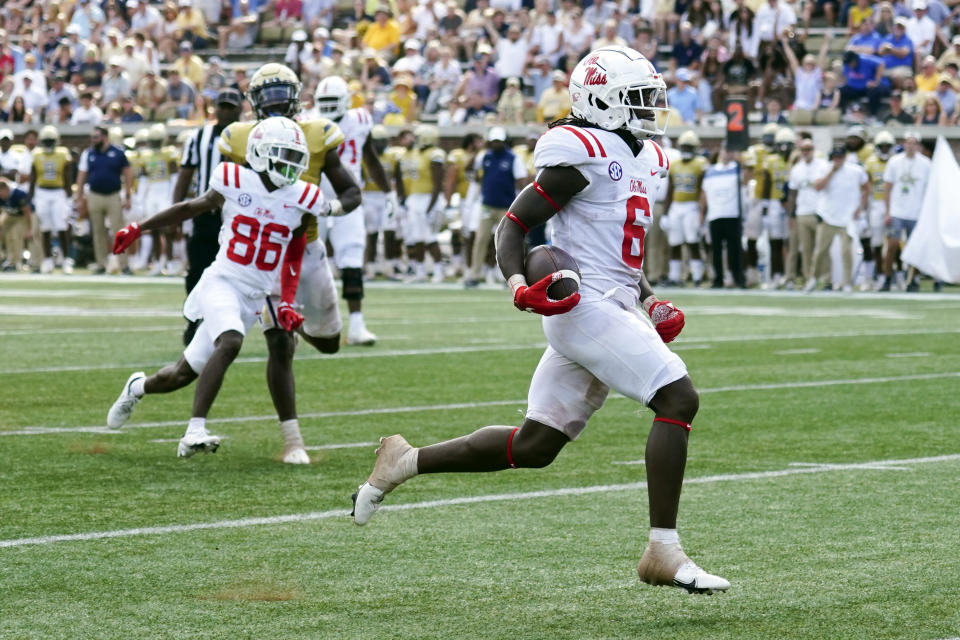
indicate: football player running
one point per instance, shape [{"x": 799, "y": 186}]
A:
[
  {"x": 598, "y": 171},
  {"x": 265, "y": 210},
  {"x": 275, "y": 91},
  {"x": 347, "y": 234}
]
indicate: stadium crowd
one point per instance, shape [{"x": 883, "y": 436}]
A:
[{"x": 489, "y": 62}]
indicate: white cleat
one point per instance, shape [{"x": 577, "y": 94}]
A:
[
  {"x": 359, "y": 335},
  {"x": 396, "y": 463},
  {"x": 46, "y": 266},
  {"x": 667, "y": 565},
  {"x": 120, "y": 411},
  {"x": 198, "y": 442},
  {"x": 68, "y": 267},
  {"x": 297, "y": 455}
]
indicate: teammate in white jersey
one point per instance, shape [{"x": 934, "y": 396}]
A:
[
  {"x": 264, "y": 211},
  {"x": 597, "y": 174},
  {"x": 347, "y": 234}
]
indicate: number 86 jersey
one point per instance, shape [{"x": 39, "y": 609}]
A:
[
  {"x": 603, "y": 226},
  {"x": 257, "y": 225}
]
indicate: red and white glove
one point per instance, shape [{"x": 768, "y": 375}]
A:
[
  {"x": 125, "y": 237},
  {"x": 288, "y": 318},
  {"x": 667, "y": 319},
  {"x": 534, "y": 298}
]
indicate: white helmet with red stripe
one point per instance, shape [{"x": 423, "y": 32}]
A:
[
  {"x": 278, "y": 147},
  {"x": 332, "y": 97},
  {"x": 617, "y": 87}
]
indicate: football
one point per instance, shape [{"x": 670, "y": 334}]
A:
[{"x": 546, "y": 259}]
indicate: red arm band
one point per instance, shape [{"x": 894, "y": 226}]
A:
[
  {"x": 513, "y": 217},
  {"x": 290, "y": 273},
  {"x": 546, "y": 196}
]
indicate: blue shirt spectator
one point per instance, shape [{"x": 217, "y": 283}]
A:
[
  {"x": 684, "y": 98},
  {"x": 863, "y": 41},
  {"x": 861, "y": 69},
  {"x": 16, "y": 202},
  {"x": 686, "y": 50},
  {"x": 897, "y": 40}
]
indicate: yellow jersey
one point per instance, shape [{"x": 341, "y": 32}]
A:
[
  {"x": 865, "y": 152},
  {"x": 779, "y": 171},
  {"x": 458, "y": 158},
  {"x": 154, "y": 164},
  {"x": 753, "y": 158},
  {"x": 875, "y": 168},
  {"x": 415, "y": 169},
  {"x": 685, "y": 176},
  {"x": 322, "y": 136},
  {"x": 388, "y": 159},
  {"x": 51, "y": 167}
]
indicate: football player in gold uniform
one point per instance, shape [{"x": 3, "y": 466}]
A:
[
  {"x": 275, "y": 91},
  {"x": 50, "y": 194}
]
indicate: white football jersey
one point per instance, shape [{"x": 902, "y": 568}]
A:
[
  {"x": 257, "y": 225},
  {"x": 603, "y": 226},
  {"x": 356, "y": 125}
]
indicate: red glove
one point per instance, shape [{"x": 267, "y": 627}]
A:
[
  {"x": 667, "y": 319},
  {"x": 534, "y": 298},
  {"x": 288, "y": 319},
  {"x": 125, "y": 237}
]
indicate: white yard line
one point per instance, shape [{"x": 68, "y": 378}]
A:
[
  {"x": 87, "y": 330},
  {"x": 345, "y": 445},
  {"x": 431, "y": 504},
  {"x": 520, "y": 402},
  {"x": 911, "y": 354},
  {"x": 796, "y": 352},
  {"x": 306, "y": 354}
]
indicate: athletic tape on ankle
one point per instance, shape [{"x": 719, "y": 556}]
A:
[
  {"x": 685, "y": 425},
  {"x": 510, "y": 448}
]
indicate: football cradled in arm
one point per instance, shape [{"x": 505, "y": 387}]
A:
[{"x": 537, "y": 202}]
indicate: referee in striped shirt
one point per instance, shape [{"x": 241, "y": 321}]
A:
[{"x": 200, "y": 156}]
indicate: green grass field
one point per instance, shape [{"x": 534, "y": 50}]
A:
[{"x": 823, "y": 478}]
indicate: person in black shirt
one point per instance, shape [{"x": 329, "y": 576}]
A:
[{"x": 896, "y": 114}]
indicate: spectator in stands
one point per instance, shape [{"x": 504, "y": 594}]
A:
[
  {"x": 17, "y": 111},
  {"x": 480, "y": 79},
  {"x": 577, "y": 37},
  {"x": 474, "y": 109},
  {"x": 441, "y": 77},
  {"x": 686, "y": 50},
  {"x": 374, "y": 72},
  {"x": 951, "y": 55},
  {"x": 932, "y": 113},
  {"x": 241, "y": 31},
  {"x": 808, "y": 76},
  {"x": 864, "y": 79},
  {"x": 151, "y": 94},
  {"x": 742, "y": 32},
  {"x": 87, "y": 16},
  {"x": 168, "y": 42},
  {"x": 411, "y": 62},
  {"x": 62, "y": 114},
  {"x": 896, "y": 115},
  {"x": 912, "y": 99},
  {"x": 285, "y": 12},
  {"x": 865, "y": 39},
  {"x": 609, "y": 37},
  {"x": 645, "y": 42},
  {"x": 215, "y": 78},
  {"x": 190, "y": 24},
  {"x": 403, "y": 97},
  {"x": 74, "y": 43},
  {"x": 91, "y": 70},
  {"x": 293, "y": 58},
  {"x": 134, "y": 64},
  {"x": 241, "y": 80},
  {"x": 773, "y": 112},
  {"x": 87, "y": 112},
  {"x": 512, "y": 52},
  {"x": 538, "y": 77},
  {"x": 383, "y": 35},
  {"x": 683, "y": 97},
  {"x": 699, "y": 15},
  {"x": 34, "y": 100},
  {"x": 318, "y": 13},
  {"x": 921, "y": 30},
  {"x": 947, "y": 95},
  {"x": 63, "y": 61},
  {"x": 510, "y": 107},
  {"x": 554, "y": 102},
  {"x": 189, "y": 65},
  {"x": 116, "y": 84},
  {"x": 31, "y": 70},
  {"x": 424, "y": 15},
  {"x": 773, "y": 19},
  {"x": 130, "y": 112},
  {"x": 59, "y": 89},
  {"x": 928, "y": 78},
  {"x": 180, "y": 94},
  {"x": 145, "y": 19},
  {"x": 547, "y": 38},
  {"x": 856, "y": 16},
  {"x": 736, "y": 75},
  {"x": 897, "y": 52}
]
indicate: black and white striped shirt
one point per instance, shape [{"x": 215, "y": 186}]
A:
[{"x": 202, "y": 154}]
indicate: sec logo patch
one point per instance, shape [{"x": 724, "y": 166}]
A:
[
  {"x": 244, "y": 199},
  {"x": 615, "y": 171}
]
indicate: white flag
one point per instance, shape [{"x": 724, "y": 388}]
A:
[{"x": 934, "y": 245}]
